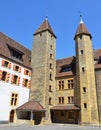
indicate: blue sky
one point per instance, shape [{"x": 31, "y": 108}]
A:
[{"x": 19, "y": 19}]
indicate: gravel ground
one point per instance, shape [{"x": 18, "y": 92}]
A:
[{"x": 47, "y": 127}]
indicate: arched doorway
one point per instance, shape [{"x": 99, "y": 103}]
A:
[{"x": 12, "y": 113}]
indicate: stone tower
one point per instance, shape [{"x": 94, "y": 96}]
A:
[
  {"x": 43, "y": 62},
  {"x": 85, "y": 91}
]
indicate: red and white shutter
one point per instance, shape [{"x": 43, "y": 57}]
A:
[
  {"x": 7, "y": 77},
  {"x": 12, "y": 78},
  {"x": 3, "y": 62},
  {"x": 19, "y": 69},
  {"x": 18, "y": 81},
  {"x": 23, "y": 82},
  {"x": 0, "y": 74},
  {"x": 9, "y": 65},
  {"x": 29, "y": 84}
]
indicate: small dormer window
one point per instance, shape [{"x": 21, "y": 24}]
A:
[
  {"x": 16, "y": 54},
  {"x": 66, "y": 69}
]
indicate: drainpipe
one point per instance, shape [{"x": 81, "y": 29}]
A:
[{"x": 31, "y": 116}]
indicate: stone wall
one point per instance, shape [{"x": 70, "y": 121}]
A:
[{"x": 98, "y": 83}]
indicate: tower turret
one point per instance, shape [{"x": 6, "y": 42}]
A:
[
  {"x": 85, "y": 91},
  {"x": 43, "y": 62}
]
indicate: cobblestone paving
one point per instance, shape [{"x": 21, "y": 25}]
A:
[{"x": 47, "y": 127}]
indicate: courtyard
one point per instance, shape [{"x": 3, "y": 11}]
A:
[{"x": 47, "y": 127}]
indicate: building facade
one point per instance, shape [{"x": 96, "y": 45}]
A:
[
  {"x": 15, "y": 77},
  {"x": 62, "y": 91}
]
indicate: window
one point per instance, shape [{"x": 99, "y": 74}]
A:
[
  {"x": 65, "y": 69},
  {"x": 4, "y": 74},
  {"x": 16, "y": 54},
  {"x": 6, "y": 63},
  {"x": 50, "y": 88},
  {"x": 27, "y": 72},
  {"x": 51, "y": 47},
  {"x": 70, "y": 83},
  {"x": 84, "y": 89},
  {"x": 50, "y": 101},
  {"x": 26, "y": 83},
  {"x": 61, "y": 85},
  {"x": 15, "y": 79},
  {"x": 71, "y": 99},
  {"x": 61, "y": 100},
  {"x": 81, "y": 51},
  {"x": 17, "y": 68},
  {"x": 50, "y": 65},
  {"x": 71, "y": 115},
  {"x": 85, "y": 105},
  {"x": 14, "y": 99},
  {"x": 83, "y": 69},
  {"x": 51, "y": 56},
  {"x": 80, "y": 36},
  {"x": 40, "y": 34},
  {"x": 50, "y": 76},
  {"x": 51, "y": 36}
]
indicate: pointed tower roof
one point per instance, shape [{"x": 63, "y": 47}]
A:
[
  {"x": 45, "y": 26},
  {"x": 82, "y": 29}
]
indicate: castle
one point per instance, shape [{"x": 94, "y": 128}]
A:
[{"x": 37, "y": 88}]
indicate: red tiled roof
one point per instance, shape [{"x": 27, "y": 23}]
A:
[
  {"x": 64, "y": 62},
  {"x": 97, "y": 55},
  {"x": 68, "y": 107},
  {"x": 6, "y": 41},
  {"x": 82, "y": 30},
  {"x": 97, "y": 66},
  {"x": 31, "y": 106},
  {"x": 44, "y": 27}
]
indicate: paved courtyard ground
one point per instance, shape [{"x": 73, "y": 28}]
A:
[{"x": 47, "y": 127}]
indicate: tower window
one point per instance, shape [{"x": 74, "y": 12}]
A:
[
  {"x": 50, "y": 88},
  {"x": 50, "y": 65},
  {"x": 50, "y": 101},
  {"x": 85, "y": 105},
  {"x": 51, "y": 36},
  {"x": 81, "y": 51},
  {"x": 84, "y": 89},
  {"x": 51, "y": 47},
  {"x": 80, "y": 36},
  {"x": 83, "y": 69},
  {"x": 51, "y": 56},
  {"x": 40, "y": 34},
  {"x": 50, "y": 76}
]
